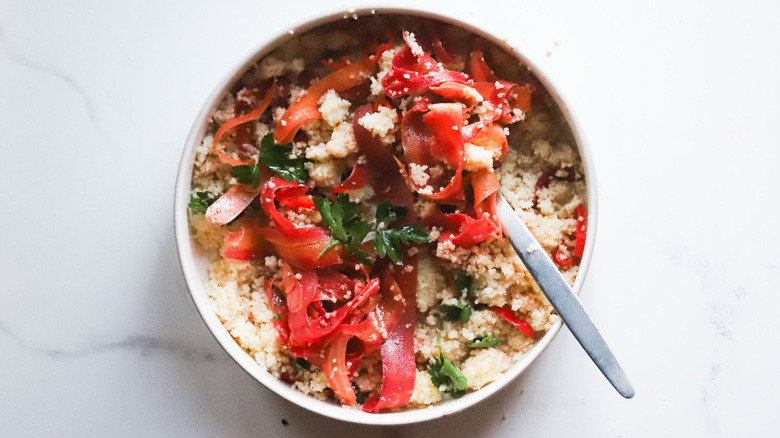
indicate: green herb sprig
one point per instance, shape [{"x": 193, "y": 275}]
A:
[
  {"x": 346, "y": 227},
  {"x": 456, "y": 312},
  {"x": 464, "y": 284},
  {"x": 201, "y": 201},
  {"x": 485, "y": 342},
  {"x": 444, "y": 373},
  {"x": 277, "y": 158},
  {"x": 349, "y": 229}
]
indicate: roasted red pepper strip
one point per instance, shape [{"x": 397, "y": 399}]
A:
[
  {"x": 561, "y": 259},
  {"x": 446, "y": 122},
  {"x": 438, "y": 48},
  {"x": 339, "y": 363},
  {"x": 376, "y": 318},
  {"x": 469, "y": 231},
  {"x": 305, "y": 107},
  {"x": 398, "y": 367},
  {"x": 436, "y": 134},
  {"x": 507, "y": 313},
  {"x": 295, "y": 199},
  {"x": 335, "y": 367},
  {"x": 414, "y": 70},
  {"x": 231, "y": 204},
  {"x": 245, "y": 243},
  {"x": 506, "y": 98},
  {"x": 305, "y": 329},
  {"x": 253, "y": 115},
  {"x": 491, "y": 137},
  {"x": 356, "y": 180},
  {"x": 277, "y": 189},
  {"x": 302, "y": 247},
  {"x": 458, "y": 91},
  {"x": 582, "y": 229},
  {"x": 485, "y": 184},
  {"x": 302, "y": 289},
  {"x": 387, "y": 180},
  {"x": 477, "y": 68},
  {"x": 322, "y": 337},
  {"x": 335, "y": 65}
]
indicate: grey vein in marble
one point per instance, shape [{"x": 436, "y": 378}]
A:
[
  {"x": 24, "y": 61},
  {"x": 147, "y": 345}
]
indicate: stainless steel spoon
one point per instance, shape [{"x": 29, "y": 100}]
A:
[{"x": 562, "y": 297}]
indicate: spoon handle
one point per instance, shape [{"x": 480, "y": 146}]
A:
[{"x": 562, "y": 297}]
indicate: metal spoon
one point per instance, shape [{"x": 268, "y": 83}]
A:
[{"x": 562, "y": 297}]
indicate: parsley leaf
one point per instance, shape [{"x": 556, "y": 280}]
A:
[
  {"x": 346, "y": 227},
  {"x": 463, "y": 283},
  {"x": 277, "y": 158},
  {"x": 349, "y": 229},
  {"x": 386, "y": 212},
  {"x": 456, "y": 312},
  {"x": 444, "y": 373},
  {"x": 485, "y": 342},
  {"x": 201, "y": 201},
  {"x": 303, "y": 363},
  {"x": 247, "y": 174},
  {"x": 388, "y": 242}
]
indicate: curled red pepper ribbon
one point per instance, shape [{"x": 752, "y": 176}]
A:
[
  {"x": 299, "y": 246},
  {"x": 431, "y": 133},
  {"x": 335, "y": 341},
  {"x": 504, "y": 96},
  {"x": 388, "y": 182},
  {"x": 228, "y": 206},
  {"x": 237, "y": 121},
  {"x": 582, "y": 229},
  {"x": 485, "y": 185},
  {"x": 461, "y": 229},
  {"x": 356, "y": 180},
  {"x": 380, "y": 102},
  {"x": 288, "y": 194},
  {"x": 414, "y": 70},
  {"x": 306, "y": 329},
  {"x": 295, "y": 198},
  {"x": 398, "y": 366},
  {"x": 397, "y": 307},
  {"x": 507, "y": 313},
  {"x": 459, "y": 91},
  {"x": 561, "y": 259},
  {"x": 477, "y": 68},
  {"x": 335, "y": 65},
  {"x": 446, "y": 122},
  {"x": 245, "y": 243},
  {"x": 305, "y": 107},
  {"x": 439, "y": 50}
]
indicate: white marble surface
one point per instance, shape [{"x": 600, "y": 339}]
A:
[{"x": 98, "y": 336}]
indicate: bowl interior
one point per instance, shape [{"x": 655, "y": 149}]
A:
[{"x": 194, "y": 262}]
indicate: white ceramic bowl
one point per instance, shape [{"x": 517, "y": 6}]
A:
[{"x": 194, "y": 263}]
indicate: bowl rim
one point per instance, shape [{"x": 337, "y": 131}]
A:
[{"x": 193, "y": 277}]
